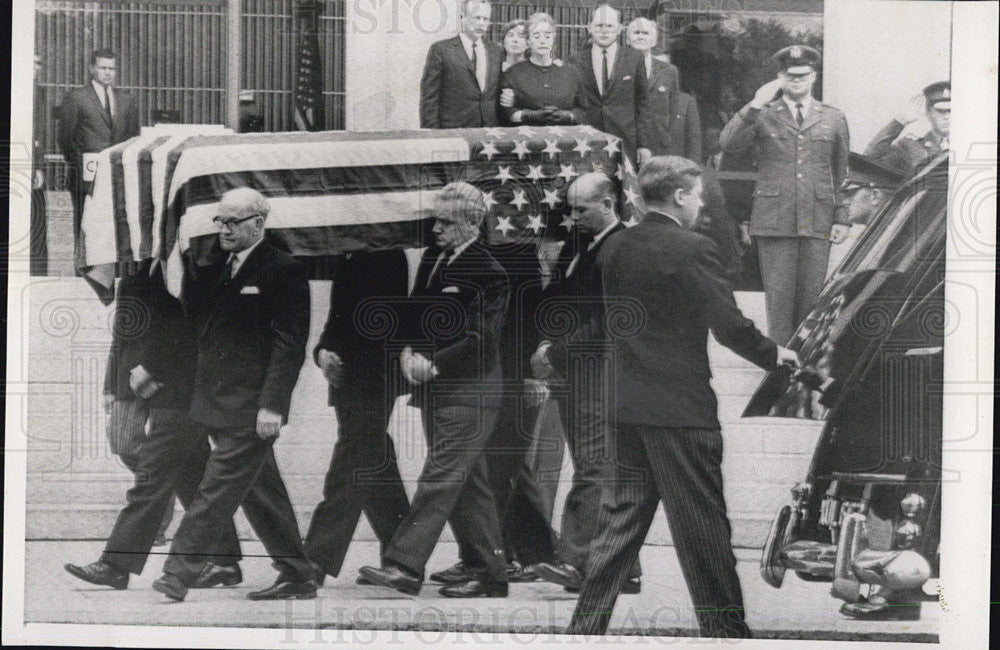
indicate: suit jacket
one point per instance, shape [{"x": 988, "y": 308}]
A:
[
  {"x": 456, "y": 321},
  {"x": 581, "y": 293},
  {"x": 799, "y": 169},
  {"x": 252, "y": 332},
  {"x": 623, "y": 110},
  {"x": 674, "y": 125},
  {"x": 450, "y": 97},
  {"x": 83, "y": 124},
  {"x": 151, "y": 329},
  {"x": 519, "y": 335},
  {"x": 367, "y": 287},
  {"x": 674, "y": 277},
  {"x": 906, "y": 154}
]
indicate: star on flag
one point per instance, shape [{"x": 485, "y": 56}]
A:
[
  {"x": 567, "y": 223},
  {"x": 612, "y": 146},
  {"x": 631, "y": 196},
  {"x": 582, "y": 146},
  {"x": 489, "y": 200},
  {"x": 535, "y": 223},
  {"x": 567, "y": 172},
  {"x": 495, "y": 132},
  {"x": 551, "y": 148},
  {"x": 519, "y": 199},
  {"x": 526, "y": 130},
  {"x": 552, "y": 198},
  {"x": 632, "y": 221},
  {"x": 535, "y": 173},
  {"x": 503, "y": 225},
  {"x": 503, "y": 175},
  {"x": 489, "y": 150},
  {"x": 521, "y": 149}
]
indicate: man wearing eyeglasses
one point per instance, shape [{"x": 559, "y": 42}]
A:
[{"x": 251, "y": 316}]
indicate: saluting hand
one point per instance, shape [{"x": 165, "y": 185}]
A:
[
  {"x": 766, "y": 93},
  {"x": 914, "y": 109},
  {"x": 268, "y": 424}
]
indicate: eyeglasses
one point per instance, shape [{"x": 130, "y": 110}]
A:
[{"x": 221, "y": 223}]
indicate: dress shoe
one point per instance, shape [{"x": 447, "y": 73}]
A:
[
  {"x": 562, "y": 573},
  {"x": 161, "y": 540},
  {"x": 361, "y": 580},
  {"x": 475, "y": 588},
  {"x": 100, "y": 573},
  {"x": 630, "y": 586},
  {"x": 518, "y": 573},
  {"x": 453, "y": 575},
  {"x": 215, "y": 574},
  {"x": 170, "y": 586},
  {"x": 397, "y": 577},
  {"x": 318, "y": 571},
  {"x": 284, "y": 589}
]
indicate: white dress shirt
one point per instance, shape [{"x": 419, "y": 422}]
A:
[
  {"x": 806, "y": 105},
  {"x": 240, "y": 257},
  {"x": 597, "y": 60},
  {"x": 469, "y": 45},
  {"x": 99, "y": 89}
]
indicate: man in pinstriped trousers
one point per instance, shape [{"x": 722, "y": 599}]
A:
[{"x": 667, "y": 440}]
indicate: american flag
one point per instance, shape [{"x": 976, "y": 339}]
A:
[
  {"x": 309, "y": 77},
  {"x": 335, "y": 192}
]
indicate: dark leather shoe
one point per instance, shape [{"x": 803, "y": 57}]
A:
[
  {"x": 161, "y": 540},
  {"x": 318, "y": 571},
  {"x": 100, "y": 573},
  {"x": 865, "y": 611},
  {"x": 518, "y": 573},
  {"x": 631, "y": 586},
  {"x": 361, "y": 580},
  {"x": 214, "y": 574},
  {"x": 396, "y": 577},
  {"x": 170, "y": 586},
  {"x": 286, "y": 590},
  {"x": 562, "y": 573},
  {"x": 453, "y": 575},
  {"x": 475, "y": 588}
]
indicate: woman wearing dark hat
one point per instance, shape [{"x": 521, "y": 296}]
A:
[{"x": 542, "y": 90}]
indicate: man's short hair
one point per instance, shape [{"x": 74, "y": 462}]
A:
[
  {"x": 642, "y": 21},
  {"x": 661, "y": 176},
  {"x": 102, "y": 53},
  {"x": 248, "y": 200},
  {"x": 605, "y": 5},
  {"x": 468, "y": 196},
  {"x": 602, "y": 186},
  {"x": 466, "y": 3}
]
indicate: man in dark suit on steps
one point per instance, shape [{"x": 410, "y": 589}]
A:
[
  {"x": 460, "y": 86},
  {"x": 91, "y": 119},
  {"x": 667, "y": 439},
  {"x": 614, "y": 80},
  {"x": 251, "y": 319}
]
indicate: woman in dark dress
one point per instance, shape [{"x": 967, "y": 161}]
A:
[
  {"x": 542, "y": 90},
  {"x": 515, "y": 43}
]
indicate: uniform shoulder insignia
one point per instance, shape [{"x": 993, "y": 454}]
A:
[{"x": 661, "y": 57}]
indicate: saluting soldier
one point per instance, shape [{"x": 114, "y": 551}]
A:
[
  {"x": 908, "y": 152},
  {"x": 800, "y": 145}
]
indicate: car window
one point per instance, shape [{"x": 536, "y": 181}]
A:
[{"x": 895, "y": 228}]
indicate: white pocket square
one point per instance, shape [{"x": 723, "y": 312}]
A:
[
  {"x": 662, "y": 89},
  {"x": 626, "y": 77},
  {"x": 249, "y": 291},
  {"x": 449, "y": 290}
]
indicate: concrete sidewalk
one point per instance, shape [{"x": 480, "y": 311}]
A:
[{"x": 799, "y": 610}]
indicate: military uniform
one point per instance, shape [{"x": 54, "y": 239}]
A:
[
  {"x": 908, "y": 153},
  {"x": 796, "y": 200}
]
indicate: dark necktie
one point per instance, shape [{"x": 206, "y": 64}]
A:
[
  {"x": 227, "y": 272},
  {"x": 798, "y": 114},
  {"x": 442, "y": 261},
  {"x": 107, "y": 105},
  {"x": 604, "y": 71}
]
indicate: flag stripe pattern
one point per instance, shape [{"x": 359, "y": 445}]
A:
[{"x": 154, "y": 196}]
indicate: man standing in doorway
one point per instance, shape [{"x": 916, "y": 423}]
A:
[{"x": 801, "y": 147}]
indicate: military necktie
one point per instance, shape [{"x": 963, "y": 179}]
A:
[{"x": 798, "y": 114}]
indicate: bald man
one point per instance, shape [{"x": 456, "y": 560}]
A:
[{"x": 251, "y": 316}]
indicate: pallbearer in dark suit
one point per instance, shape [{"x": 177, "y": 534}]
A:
[
  {"x": 92, "y": 118},
  {"x": 580, "y": 358},
  {"x": 674, "y": 128},
  {"x": 460, "y": 85},
  {"x": 667, "y": 441},
  {"x": 161, "y": 369},
  {"x": 458, "y": 306},
  {"x": 614, "y": 83},
  {"x": 251, "y": 320},
  {"x": 354, "y": 357}
]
